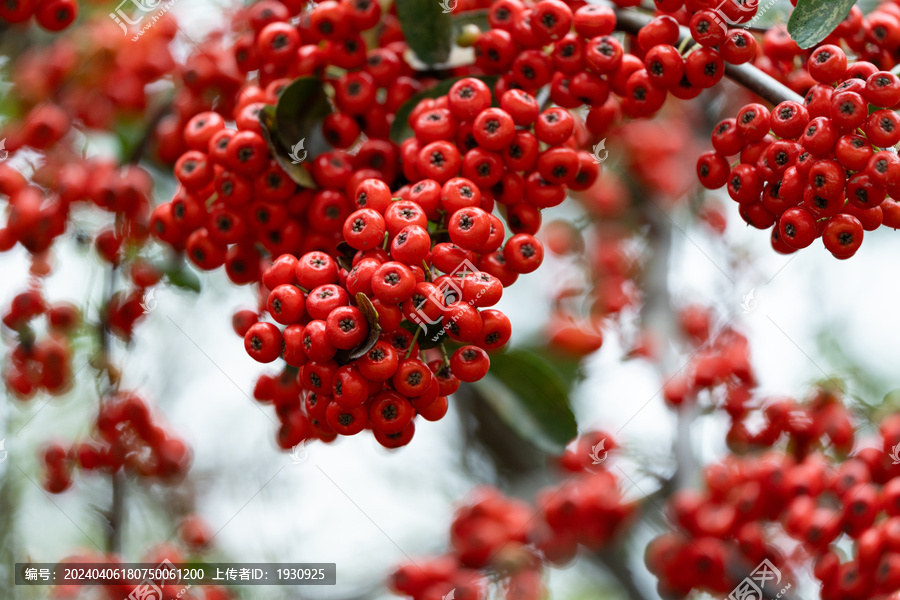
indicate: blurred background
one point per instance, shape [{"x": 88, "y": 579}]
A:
[{"x": 808, "y": 318}]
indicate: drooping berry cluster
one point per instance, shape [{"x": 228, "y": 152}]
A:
[
  {"x": 39, "y": 364},
  {"x": 499, "y": 539},
  {"x": 127, "y": 438},
  {"x": 823, "y": 169}
]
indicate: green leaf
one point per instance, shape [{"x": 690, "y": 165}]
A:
[
  {"x": 532, "y": 398},
  {"x": 427, "y": 27},
  {"x": 302, "y": 106},
  {"x": 296, "y": 171},
  {"x": 293, "y": 127},
  {"x": 183, "y": 276},
  {"x": 400, "y": 129},
  {"x": 813, "y": 20}
]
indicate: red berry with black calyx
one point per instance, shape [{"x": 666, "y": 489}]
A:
[
  {"x": 364, "y": 229},
  {"x": 788, "y": 120},
  {"x": 390, "y": 413},
  {"x": 827, "y": 64},
  {"x": 523, "y": 253},
  {"x": 551, "y": 20},
  {"x": 797, "y": 228},
  {"x": 843, "y": 236},
  {"x": 707, "y": 28},
  {"x": 393, "y": 282},
  {"x": 554, "y": 126},
  {"x": 263, "y": 342},
  {"x": 494, "y": 129},
  {"x": 315, "y": 269},
  {"x": 753, "y": 122},
  {"x": 346, "y": 421},
  {"x": 521, "y": 106},
  {"x": 346, "y": 327},
  {"x": 470, "y": 363},
  {"x": 286, "y": 304},
  {"x": 468, "y": 97},
  {"x": 412, "y": 378}
]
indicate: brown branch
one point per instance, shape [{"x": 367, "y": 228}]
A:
[{"x": 764, "y": 86}]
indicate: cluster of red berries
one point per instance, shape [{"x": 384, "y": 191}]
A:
[
  {"x": 749, "y": 502},
  {"x": 571, "y": 49},
  {"x": 350, "y": 376},
  {"x": 127, "y": 438},
  {"x": 65, "y": 81},
  {"x": 821, "y": 169},
  {"x": 495, "y": 537},
  {"x": 372, "y": 84},
  {"x": 52, "y": 15},
  {"x": 721, "y": 369},
  {"x": 36, "y": 364}
]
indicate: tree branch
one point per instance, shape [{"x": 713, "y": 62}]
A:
[{"x": 764, "y": 86}]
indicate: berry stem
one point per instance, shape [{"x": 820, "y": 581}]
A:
[{"x": 413, "y": 342}]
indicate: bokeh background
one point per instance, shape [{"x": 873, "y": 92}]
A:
[{"x": 809, "y": 318}]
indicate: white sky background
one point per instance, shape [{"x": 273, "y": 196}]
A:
[{"x": 362, "y": 507}]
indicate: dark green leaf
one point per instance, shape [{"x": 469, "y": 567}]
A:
[
  {"x": 813, "y": 20},
  {"x": 183, "y": 276},
  {"x": 427, "y": 27},
  {"x": 568, "y": 367},
  {"x": 400, "y": 129},
  {"x": 296, "y": 171},
  {"x": 532, "y": 398},
  {"x": 301, "y": 108}
]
